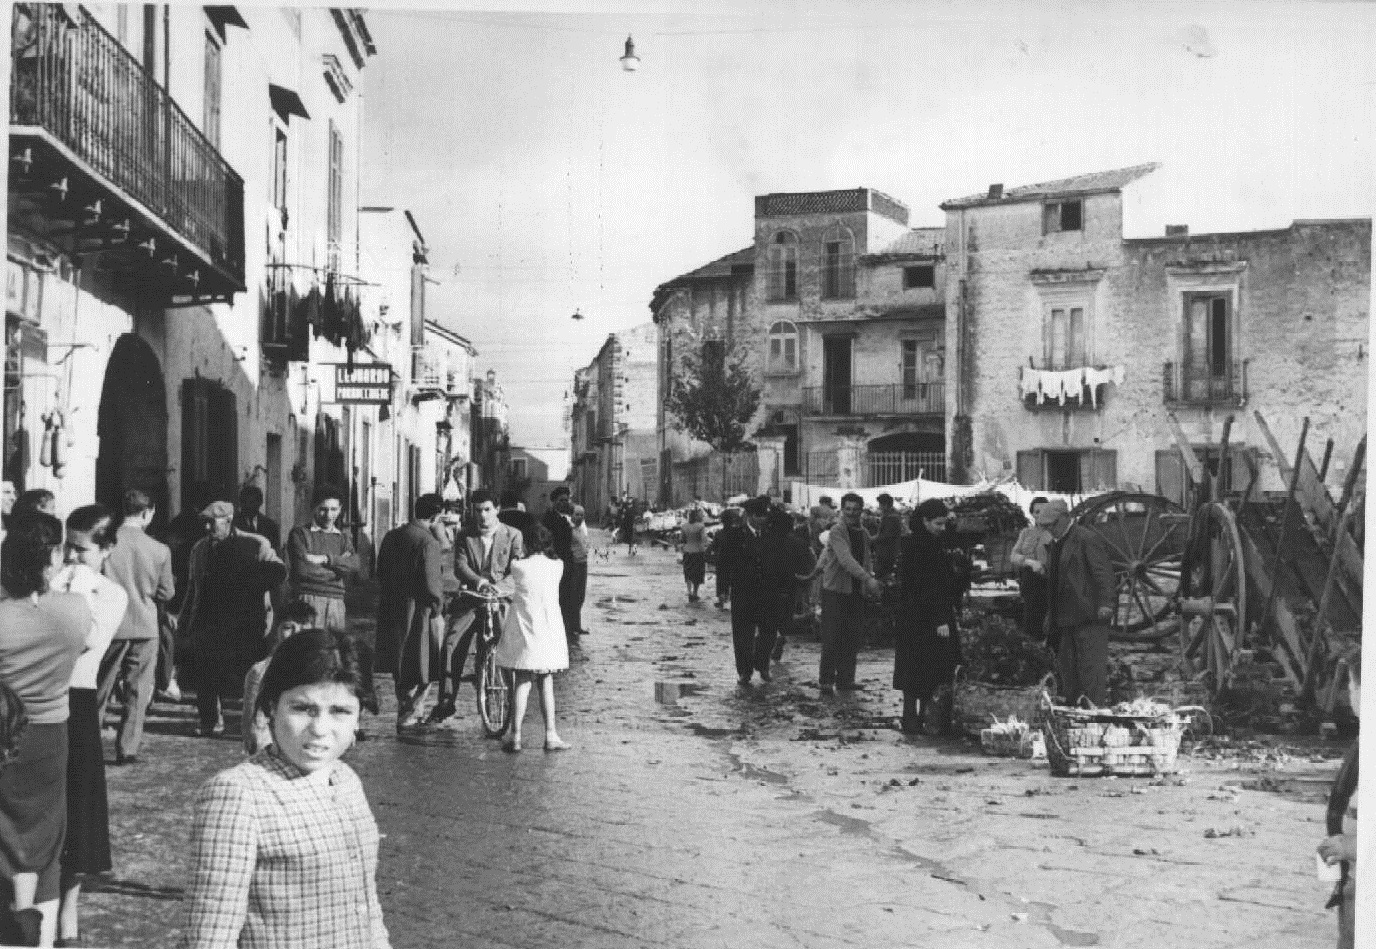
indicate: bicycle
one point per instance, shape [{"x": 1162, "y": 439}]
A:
[{"x": 493, "y": 684}]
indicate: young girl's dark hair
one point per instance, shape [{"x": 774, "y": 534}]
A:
[
  {"x": 542, "y": 542},
  {"x": 27, "y": 553},
  {"x": 311, "y": 657},
  {"x": 299, "y": 612}
]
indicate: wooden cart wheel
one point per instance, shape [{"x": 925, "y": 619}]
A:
[
  {"x": 1146, "y": 536},
  {"x": 1213, "y": 594}
]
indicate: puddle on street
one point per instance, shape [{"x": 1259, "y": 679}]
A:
[
  {"x": 847, "y": 825},
  {"x": 1071, "y": 937},
  {"x": 668, "y": 693}
]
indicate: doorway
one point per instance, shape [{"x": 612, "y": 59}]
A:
[
  {"x": 132, "y": 427},
  {"x": 836, "y": 387}
]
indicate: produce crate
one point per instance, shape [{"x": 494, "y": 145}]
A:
[
  {"x": 1007, "y": 744},
  {"x": 1092, "y": 742},
  {"x": 974, "y": 704}
]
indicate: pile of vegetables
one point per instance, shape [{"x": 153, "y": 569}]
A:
[
  {"x": 996, "y": 652},
  {"x": 995, "y": 510}
]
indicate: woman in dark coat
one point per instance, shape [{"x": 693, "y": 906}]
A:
[{"x": 927, "y": 649}]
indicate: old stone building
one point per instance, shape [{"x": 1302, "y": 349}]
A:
[
  {"x": 838, "y": 309},
  {"x": 614, "y": 442},
  {"x": 1070, "y": 344},
  {"x": 180, "y": 178}
]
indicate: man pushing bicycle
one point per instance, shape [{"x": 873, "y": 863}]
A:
[{"x": 482, "y": 561}]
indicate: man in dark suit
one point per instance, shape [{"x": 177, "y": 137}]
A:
[
  {"x": 249, "y": 520},
  {"x": 226, "y": 609},
  {"x": 573, "y": 582},
  {"x": 739, "y": 561},
  {"x": 482, "y": 562},
  {"x": 409, "y": 622},
  {"x": 513, "y": 514},
  {"x": 143, "y": 567}
]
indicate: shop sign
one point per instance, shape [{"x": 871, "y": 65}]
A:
[{"x": 363, "y": 384}]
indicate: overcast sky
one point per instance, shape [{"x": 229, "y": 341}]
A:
[{"x": 545, "y": 178}]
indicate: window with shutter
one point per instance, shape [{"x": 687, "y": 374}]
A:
[
  {"x": 838, "y": 264},
  {"x": 1030, "y": 474},
  {"x": 783, "y": 267},
  {"x": 210, "y": 123}
]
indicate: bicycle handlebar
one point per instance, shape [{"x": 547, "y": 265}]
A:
[{"x": 485, "y": 597}]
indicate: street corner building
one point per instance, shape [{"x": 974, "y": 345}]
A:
[
  {"x": 195, "y": 300},
  {"x": 1025, "y": 337}
]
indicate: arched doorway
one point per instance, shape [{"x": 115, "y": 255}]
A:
[{"x": 132, "y": 426}]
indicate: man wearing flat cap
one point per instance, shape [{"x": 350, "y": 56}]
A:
[
  {"x": 226, "y": 609},
  {"x": 739, "y": 562},
  {"x": 1082, "y": 593}
]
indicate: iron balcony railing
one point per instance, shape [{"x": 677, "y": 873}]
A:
[
  {"x": 918, "y": 398},
  {"x": 1201, "y": 385},
  {"x": 893, "y": 467},
  {"x": 71, "y": 78}
]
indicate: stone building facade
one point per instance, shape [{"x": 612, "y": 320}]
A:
[
  {"x": 1072, "y": 346},
  {"x": 146, "y": 332},
  {"x": 838, "y": 309},
  {"x": 616, "y": 405}
]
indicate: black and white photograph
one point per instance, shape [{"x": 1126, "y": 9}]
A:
[{"x": 511, "y": 474}]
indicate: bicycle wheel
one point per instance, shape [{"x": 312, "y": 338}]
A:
[{"x": 494, "y": 694}]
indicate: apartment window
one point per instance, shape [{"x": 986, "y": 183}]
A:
[
  {"x": 210, "y": 122},
  {"x": 1207, "y": 336},
  {"x": 334, "y": 218},
  {"x": 911, "y": 361},
  {"x": 518, "y": 468},
  {"x": 1064, "y": 337},
  {"x": 838, "y": 264},
  {"x": 919, "y": 277},
  {"x": 783, "y": 348},
  {"x": 1068, "y": 472},
  {"x": 279, "y": 169},
  {"x": 783, "y": 267},
  {"x": 1063, "y": 216}
]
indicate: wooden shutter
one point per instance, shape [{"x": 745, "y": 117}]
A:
[
  {"x": 1099, "y": 470},
  {"x": 224, "y": 444},
  {"x": 1170, "y": 475},
  {"x": 1030, "y": 470},
  {"x": 417, "y": 305}
]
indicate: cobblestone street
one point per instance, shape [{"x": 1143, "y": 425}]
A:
[{"x": 694, "y": 813}]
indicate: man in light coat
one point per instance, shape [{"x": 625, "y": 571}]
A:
[
  {"x": 847, "y": 578},
  {"x": 143, "y": 568}
]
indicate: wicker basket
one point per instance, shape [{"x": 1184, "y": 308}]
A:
[
  {"x": 975, "y": 704},
  {"x": 1090, "y": 742}
]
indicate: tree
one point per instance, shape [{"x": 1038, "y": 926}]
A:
[{"x": 713, "y": 397}]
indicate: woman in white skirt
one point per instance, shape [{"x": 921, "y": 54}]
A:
[{"x": 533, "y": 646}]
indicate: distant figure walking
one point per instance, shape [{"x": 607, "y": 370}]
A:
[
  {"x": 533, "y": 645},
  {"x": 694, "y": 549}
]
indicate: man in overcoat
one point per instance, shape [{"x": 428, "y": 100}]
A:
[
  {"x": 410, "y": 594},
  {"x": 482, "y": 561},
  {"x": 1082, "y": 592},
  {"x": 738, "y": 562},
  {"x": 225, "y": 613},
  {"x": 573, "y": 582}
]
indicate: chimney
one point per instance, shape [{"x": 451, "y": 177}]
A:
[
  {"x": 995, "y": 192},
  {"x": 1177, "y": 230}
]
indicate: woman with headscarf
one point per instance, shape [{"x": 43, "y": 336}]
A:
[{"x": 927, "y": 648}]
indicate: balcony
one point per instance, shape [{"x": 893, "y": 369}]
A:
[
  {"x": 1203, "y": 386},
  {"x": 433, "y": 377},
  {"x": 919, "y": 398},
  {"x": 103, "y": 160}
]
